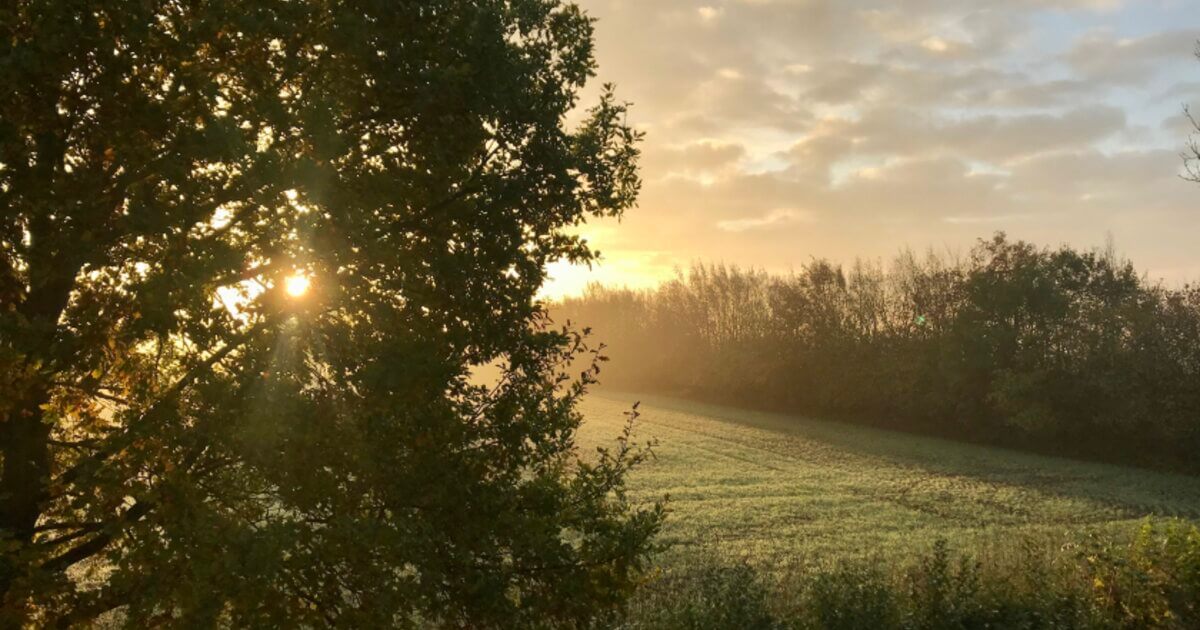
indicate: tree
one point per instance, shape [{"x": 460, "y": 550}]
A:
[{"x": 187, "y": 435}]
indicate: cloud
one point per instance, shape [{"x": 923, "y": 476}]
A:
[
  {"x": 773, "y": 218},
  {"x": 709, "y": 14},
  {"x": 703, "y": 160},
  {"x": 883, "y": 134},
  {"x": 1106, "y": 57},
  {"x": 985, "y": 137},
  {"x": 781, "y": 129},
  {"x": 708, "y": 155},
  {"x": 995, "y": 219}
]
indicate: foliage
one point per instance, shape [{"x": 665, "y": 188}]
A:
[
  {"x": 850, "y": 597},
  {"x": 1060, "y": 350},
  {"x": 184, "y": 442},
  {"x": 706, "y": 597},
  {"x": 1152, "y": 582},
  {"x": 944, "y": 589}
]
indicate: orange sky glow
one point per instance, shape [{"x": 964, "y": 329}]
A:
[{"x": 782, "y": 130}]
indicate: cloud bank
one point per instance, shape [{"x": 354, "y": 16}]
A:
[{"x": 779, "y": 130}]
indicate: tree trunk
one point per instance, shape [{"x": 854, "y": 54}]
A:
[
  {"x": 24, "y": 444},
  {"x": 24, "y": 436}
]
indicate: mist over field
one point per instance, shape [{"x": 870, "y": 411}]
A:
[
  {"x": 1005, "y": 439},
  {"x": 1053, "y": 350},
  {"x": 600, "y": 314}
]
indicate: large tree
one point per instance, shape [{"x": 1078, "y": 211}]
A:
[{"x": 187, "y": 436}]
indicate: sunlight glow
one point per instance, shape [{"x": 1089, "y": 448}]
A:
[
  {"x": 632, "y": 270},
  {"x": 297, "y": 285}
]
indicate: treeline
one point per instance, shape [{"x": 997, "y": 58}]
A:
[{"x": 1058, "y": 350}]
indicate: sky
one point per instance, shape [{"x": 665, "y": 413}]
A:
[{"x": 779, "y": 131}]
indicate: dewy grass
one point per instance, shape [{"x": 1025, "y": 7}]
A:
[{"x": 786, "y": 493}]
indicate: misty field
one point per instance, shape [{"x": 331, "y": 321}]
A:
[{"x": 787, "y": 491}]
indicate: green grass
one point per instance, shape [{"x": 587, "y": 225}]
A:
[{"x": 791, "y": 492}]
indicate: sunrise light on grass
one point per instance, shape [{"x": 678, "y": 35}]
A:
[{"x": 604, "y": 314}]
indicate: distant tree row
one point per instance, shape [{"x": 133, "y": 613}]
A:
[{"x": 1055, "y": 350}]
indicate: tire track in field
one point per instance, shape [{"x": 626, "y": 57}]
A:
[
  {"x": 843, "y": 460},
  {"x": 961, "y": 494}
]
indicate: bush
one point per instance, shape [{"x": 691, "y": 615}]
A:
[
  {"x": 849, "y": 598},
  {"x": 712, "y": 597},
  {"x": 945, "y": 594},
  {"x": 1151, "y": 581}
]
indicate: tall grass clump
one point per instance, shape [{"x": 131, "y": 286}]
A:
[
  {"x": 1149, "y": 582},
  {"x": 703, "y": 597}
]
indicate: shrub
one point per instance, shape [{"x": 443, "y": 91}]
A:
[
  {"x": 851, "y": 597},
  {"x": 712, "y": 597},
  {"x": 944, "y": 594},
  {"x": 1149, "y": 581}
]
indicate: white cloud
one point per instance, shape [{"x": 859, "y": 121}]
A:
[
  {"x": 997, "y": 219},
  {"x": 771, "y": 219},
  {"x": 1056, "y": 120},
  {"x": 709, "y": 14},
  {"x": 934, "y": 43},
  {"x": 1102, "y": 56}
]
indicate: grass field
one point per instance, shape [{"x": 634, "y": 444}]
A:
[{"x": 792, "y": 492}]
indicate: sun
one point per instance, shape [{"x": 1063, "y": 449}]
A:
[{"x": 296, "y": 285}]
